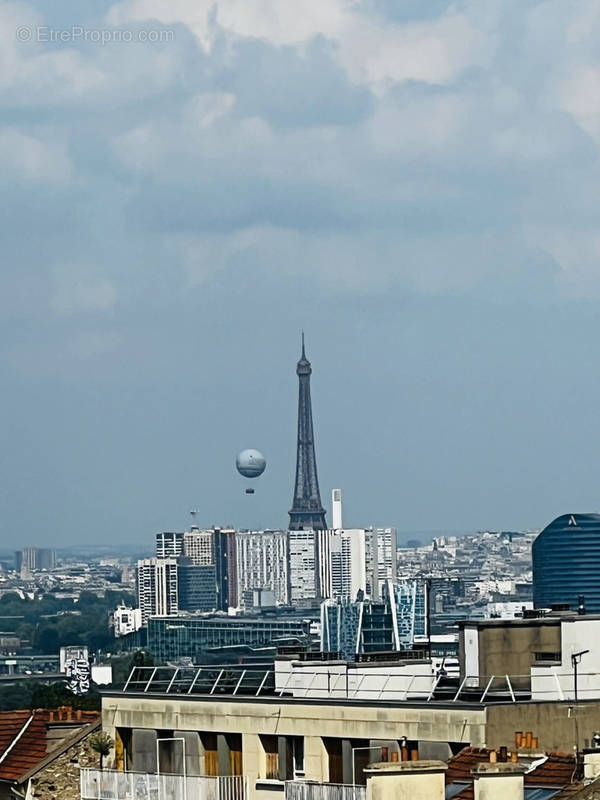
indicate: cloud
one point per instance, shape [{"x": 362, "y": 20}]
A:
[
  {"x": 34, "y": 158},
  {"x": 417, "y": 141},
  {"x": 79, "y": 292},
  {"x": 414, "y": 182}
]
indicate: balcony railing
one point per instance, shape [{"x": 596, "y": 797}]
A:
[
  {"x": 364, "y": 682},
  {"x": 299, "y": 790},
  {"x": 108, "y": 784}
]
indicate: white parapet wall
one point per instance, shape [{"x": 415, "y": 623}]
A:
[
  {"x": 555, "y": 680},
  {"x": 410, "y": 680}
]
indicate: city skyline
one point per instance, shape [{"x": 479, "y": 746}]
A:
[
  {"x": 266, "y": 505},
  {"x": 413, "y": 184}
]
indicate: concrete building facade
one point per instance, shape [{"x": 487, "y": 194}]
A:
[{"x": 157, "y": 587}]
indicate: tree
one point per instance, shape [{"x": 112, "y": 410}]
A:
[
  {"x": 101, "y": 743},
  {"x": 48, "y": 640},
  {"x": 142, "y": 658}
]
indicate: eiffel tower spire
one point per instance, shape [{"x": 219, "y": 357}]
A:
[{"x": 307, "y": 511}]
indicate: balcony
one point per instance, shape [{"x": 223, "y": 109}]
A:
[
  {"x": 299, "y": 790},
  {"x": 110, "y": 784}
]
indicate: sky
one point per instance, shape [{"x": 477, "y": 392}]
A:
[{"x": 186, "y": 186}]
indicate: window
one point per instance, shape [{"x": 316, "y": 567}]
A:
[
  {"x": 298, "y": 755},
  {"x": 270, "y": 747},
  {"x": 284, "y": 757}
]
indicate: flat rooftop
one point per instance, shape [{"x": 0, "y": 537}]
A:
[{"x": 261, "y": 684}]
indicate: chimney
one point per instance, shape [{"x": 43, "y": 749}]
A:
[
  {"x": 591, "y": 764},
  {"x": 406, "y": 780},
  {"x": 499, "y": 781},
  {"x": 336, "y": 509}
]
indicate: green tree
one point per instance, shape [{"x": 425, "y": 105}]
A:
[
  {"x": 47, "y": 640},
  {"x": 101, "y": 743}
]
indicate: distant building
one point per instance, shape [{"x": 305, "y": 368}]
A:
[
  {"x": 367, "y": 626},
  {"x": 566, "y": 562},
  {"x": 170, "y": 639},
  {"x": 336, "y": 509},
  {"x": 126, "y": 620},
  {"x": 212, "y": 549},
  {"x": 259, "y": 598},
  {"x": 381, "y": 559},
  {"x": 169, "y": 544},
  {"x": 263, "y": 563},
  {"x": 196, "y": 587},
  {"x": 342, "y": 564},
  {"x": 198, "y": 546},
  {"x": 303, "y": 565},
  {"x": 35, "y": 558},
  {"x": 225, "y": 562},
  {"x": 157, "y": 587}
]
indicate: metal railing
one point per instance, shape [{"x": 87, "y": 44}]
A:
[
  {"x": 108, "y": 784},
  {"x": 364, "y": 682},
  {"x": 299, "y": 790},
  {"x": 227, "y": 679}
]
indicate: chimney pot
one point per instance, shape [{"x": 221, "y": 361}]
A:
[{"x": 518, "y": 737}]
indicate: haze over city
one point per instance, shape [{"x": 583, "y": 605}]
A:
[{"x": 177, "y": 212}]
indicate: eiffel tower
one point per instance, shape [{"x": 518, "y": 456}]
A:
[{"x": 307, "y": 511}]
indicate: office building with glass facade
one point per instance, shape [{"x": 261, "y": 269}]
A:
[
  {"x": 369, "y": 627},
  {"x": 566, "y": 563},
  {"x": 172, "y": 638}
]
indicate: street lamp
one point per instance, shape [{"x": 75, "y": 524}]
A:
[
  {"x": 575, "y": 661},
  {"x": 354, "y": 749}
]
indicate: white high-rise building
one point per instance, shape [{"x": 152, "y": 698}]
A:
[
  {"x": 303, "y": 565},
  {"x": 381, "y": 558},
  {"x": 263, "y": 563},
  {"x": 169, "y": 544},
  {"x": 336, "y": 509},
  {"x": 342, "y": 563},
  {"x": 198, "y": 546},
  {"x": 157, "y": 587}
]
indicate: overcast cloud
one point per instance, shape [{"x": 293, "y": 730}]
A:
[{"x": 416, "y": 184}]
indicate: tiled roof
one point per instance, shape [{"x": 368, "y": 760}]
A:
[
  {"x": 24, "y": 741},
  {"x": 557, "y": 770},
  {"x": 459, "y": 767}
]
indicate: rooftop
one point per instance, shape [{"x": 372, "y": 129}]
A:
[
  {"x": 28, "y": 738},
  {"x": 547, "y": 775}
]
